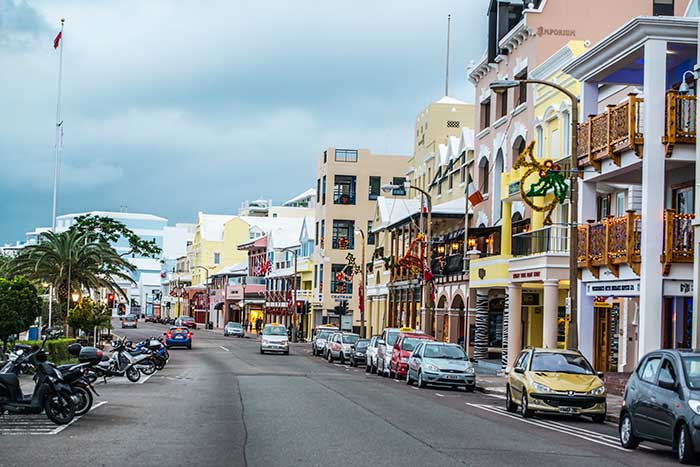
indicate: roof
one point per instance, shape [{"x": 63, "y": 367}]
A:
[
  {"x": 211, "y": 226},
  {"x": 287, "y": 233},
  {"x": 449, "y": 100},
  {"x": 392, "y": 210},
  {"x": 115, "y": 215},
  {"x": 240, "y": 269},
  {"x": 310, "y": 193}
]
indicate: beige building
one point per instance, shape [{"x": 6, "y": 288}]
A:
[{"x": 348, "y": 184}]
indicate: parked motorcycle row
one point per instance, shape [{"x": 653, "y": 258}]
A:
[{"x": 66, "y": 391}]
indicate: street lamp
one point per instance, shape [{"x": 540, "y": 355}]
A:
[
  {"x": 427, "y": 297},
  {"x": 294, "y": 251},
  {"x": 501, "y": 86},
  {"x": 206, "y": 282},
  {"x": 75, "y": 296},
  {"x": 359, "y": 230}
]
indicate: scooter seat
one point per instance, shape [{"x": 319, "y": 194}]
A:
[{"x": 9, "y": 379}]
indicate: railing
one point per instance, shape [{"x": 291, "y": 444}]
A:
[
  {"x": 447, "y": 265},
  {"x": 343, "y": 287},
  {"x": 678, "y": 239},
  {"x": 607, "y": 134},
  {"x": 343, "y": 243},
  {"x": 344, "y": 198},
  {"x": 680, "y": 120},
  {"x": 551, "y": 239},
  {"x": 610, "y": 242}
]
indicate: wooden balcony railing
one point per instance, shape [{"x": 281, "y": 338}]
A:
[
  {"x": 610, "y": 242},
  {"x": 678, "y": 239},
  {"x": 680, "y": 120},
  {"x": 607, "y": 134}
]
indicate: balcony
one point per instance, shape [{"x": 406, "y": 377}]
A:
[
  {"x": 551, "y": 239},
  {"x": 448, "y": 265},
  {"x": 607, "y": 135},
  {"x": 344, "y": 198},
  {"x": 610, "y": 243},
  {"x": 342, "y": 243},
  {"x": 678, "y": 239},
  {"x": 341, "y": 287},
  {"x": 680, "y": 120}
]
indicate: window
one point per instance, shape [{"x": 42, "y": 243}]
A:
[
  {"x": 323, "y": 191},
  {"x": 338, "y": 282},
  {"x": 554, "y": 149},
  {"x": 663, "y": 8},
  {"x": 325, "y": 156},
  {"x": 485, "y": 114},
  {"x": 401, "y": 191},
  {"x": 683, "y": 200},
  {"x": 323, "y": 232},
  {"x": 318, "y": 190},
  {"x": 344, "y": 189},
  {"x": 667, "y": 372},
  {"x": 320, "y": 278},
  {"x": 343, "y": 234},
  {"x": 451, "y": 182},
  {"x": 440, "y": 187},
  {"x": 620, "y": 204},
  {"x": 484, "y": 176},
  {"x": 374, "y": 187},
  {"x": 315, "y": 274},
  {"x": 370, "y": 234},
  {"x": 566, "y": 132},
  {"x": 346, "y": 155},
  {"x": 217, "y": 258},
  {"x": 452, "y": 124},
  {"x": 603, "y": 206},
  {"x": 647, "y": 371},
  {"x": 316, "y": 239},
  {"x": 502, "y": 104},
  {"x": 521, "y": 90},
  {"x": 539, "y": 138}
]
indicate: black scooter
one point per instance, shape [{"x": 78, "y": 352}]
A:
[
  {"x": 51, "y": 394},
  {"x": 77, "y": 375}
]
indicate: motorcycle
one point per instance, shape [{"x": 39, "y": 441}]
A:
[
  {"x": 159, "y": 351},
  {"x": 142, "y": 357},
  {"x": 119, "y": 364},
  {"x": 51, "y": 394},
  {"x": 77, "y": 375}
]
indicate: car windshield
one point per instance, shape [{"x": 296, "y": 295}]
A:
[
  {"x": 130, "y": 318},
  {"x": 552, "y": 362},
  {"x": 450, "y": 352},
  {"x": 234, "y": 325},
  {"x": 691, "y": 365},
  {"x": 186, "y": 318},
  {"x": 323, "y": 335},
  {"x": 362, "y": 344},
  {"x": 409, "y": 343},
  {"x": 178, "y": 331},
  {"x": 350, "y": 339},
  {"x": 391, "y": 337},
  {"x": 275, "y": 331}
]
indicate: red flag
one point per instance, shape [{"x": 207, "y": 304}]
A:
[{"x": 57, "y": 40}]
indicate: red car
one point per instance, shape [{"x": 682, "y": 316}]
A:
[
  {"x": 403, "y": 347},
  {"x": 186, "y": 321}
]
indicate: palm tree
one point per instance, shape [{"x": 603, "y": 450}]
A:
[{"x": 72, "y": 261}]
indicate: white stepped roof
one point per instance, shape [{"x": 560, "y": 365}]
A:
[
  {"x": 310, "y": 193},
  {"x": 212, "y": 226},
  {"x": 449, "y": 100}
]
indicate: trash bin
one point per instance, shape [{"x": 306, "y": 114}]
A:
[
  {"x": 33, "y": 333},
  {"x": 210, "y": 325}
]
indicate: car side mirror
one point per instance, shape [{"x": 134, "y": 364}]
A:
[
  {"x": 380, "y": 342},
  {"x": 519, "y": 370},
  {"x": 668, "y": 384},
  {"x": 600, "y": 374},
  {"x": 165, "y": 333}
]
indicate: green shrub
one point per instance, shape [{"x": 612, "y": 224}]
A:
[{"x": 57, "y": 350}]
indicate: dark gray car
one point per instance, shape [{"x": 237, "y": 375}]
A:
[{"x": 662, "y": 403}]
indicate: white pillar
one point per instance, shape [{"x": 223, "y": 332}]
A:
[
  {"x": 515, "y": 327},
  {"x": 589, "y": 100},
  {"x": 585, "y": 322},
  {"x": 550, "y": 316},
  {"x": 651, "y": 278},
  {"x": 696, "y": 231}
]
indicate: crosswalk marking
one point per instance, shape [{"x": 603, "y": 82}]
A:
[{"x": 13, "y": 425}]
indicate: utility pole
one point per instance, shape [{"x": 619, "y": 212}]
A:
[{"x": 362, "y": 290}]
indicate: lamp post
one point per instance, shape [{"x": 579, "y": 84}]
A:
[
  {"x": 501, "y": 86},
  {"x": 206, "y": 282},
  {"x": 245, "y": 318},
  {"x": 358, "y": 230},
  {"x": 427, "y": 297},
  {"x": 294, "y": 251}
]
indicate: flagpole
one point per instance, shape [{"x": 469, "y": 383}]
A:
[{"x": 57, "y": 148}]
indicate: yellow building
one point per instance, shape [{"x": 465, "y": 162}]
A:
[{"x": 208, "y": 247}]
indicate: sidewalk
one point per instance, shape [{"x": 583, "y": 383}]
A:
[{"x": 489, "y": 384}]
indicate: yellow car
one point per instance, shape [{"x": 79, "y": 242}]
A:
[{"x": 555, "y": 381}]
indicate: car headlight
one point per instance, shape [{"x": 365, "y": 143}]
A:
[
  {"x": 359, "y": 354},
  {"x": 265, "y": 342},
  {"x": 284, "y": 342},
  {"x": 431, "y": 367},
  {"x": 403, "y": 360},
  {"x": 541, "y": 387},
  {"x": 469, "y": 370},
  {"x": 597, "y": 391},
  {"x": 694, "y": 405}
]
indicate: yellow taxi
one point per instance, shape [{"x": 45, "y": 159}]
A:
[{"x": 555, "y": 381}]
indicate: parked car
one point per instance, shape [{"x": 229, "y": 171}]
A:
[
  {"x": 555, "y": 381},
  {"x": 274, "y": 339},
  {"x": 371, "y": 355},
  {"x": 385, "y": 346},
  {"x": 130, "y": 321},
  {"x": 320, "y": 338},
  {"x": 442, "y": 364},
  {"x": 186, "y": 321},
  {"x": 662, "y": 403},
  {"x": 234, "y": 329},
  {"x": 178, "y": 336},
  {"x": 340, "y": 346},
  {"x": 359, "y": 352},
  {"x": 403, "y": 348}
]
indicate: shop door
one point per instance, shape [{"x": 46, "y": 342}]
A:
[
  {"x": 602, "y": 338},
  {"x": 446, "y": 328}
]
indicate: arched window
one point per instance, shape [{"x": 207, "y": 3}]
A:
[
  {"x": 484, "y": 176},
  {"x": 497, "y": 171},
  {"x": 566, "y": 132},
  {"x": 539, "y": 137},
  {"x": 518, "y": 147}
]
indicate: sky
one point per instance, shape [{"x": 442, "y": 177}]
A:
[{"x": 171, "y": 107}]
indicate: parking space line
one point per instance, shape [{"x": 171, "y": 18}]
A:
[
  {"x": 143, "y": 380},
  {"x": 439, "y": 395},
  {"x": 63, "y": 427},
  {"x": 224, "y": 348}
]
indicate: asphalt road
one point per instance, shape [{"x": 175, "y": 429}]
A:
[{"x": 224, "y": 404}]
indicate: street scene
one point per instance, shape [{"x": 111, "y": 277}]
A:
[{"x": 276, "y": 233}]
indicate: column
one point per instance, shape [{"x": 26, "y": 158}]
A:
[
  {"x": 589, "y": 100},
  {"x": 507, "y": 228},
  {"x": 439, "y": 322},
  {"x": 651, "y": 278},
  {"x": 550, "y": 316},
  {"x": 481, "y": 331},
  {"x": 515, "y": 326}
]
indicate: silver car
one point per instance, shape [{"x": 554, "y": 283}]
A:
[
  {"x": 318, "y": 343},
  {"x": 442, "y": 364},
  {"x": 274, "y": 339},
  {"x": 234, "y": 329},
  {"x": 340, "y": 346},
  {"x": 371, "y": 356}
]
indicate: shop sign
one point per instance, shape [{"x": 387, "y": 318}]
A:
[
  {"x": 514, "y": 188},
  {"x": 526, "y": 275},
  {"x": 678, "y": 288},
  {"x": 341, "y": 297},
  {"x": 346, "y": 322},
  {"x": 615, "y": 288}
]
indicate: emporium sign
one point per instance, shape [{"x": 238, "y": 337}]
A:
[
  {"x": 615, "y": 288},
  {"x": 542, "y": 31}
]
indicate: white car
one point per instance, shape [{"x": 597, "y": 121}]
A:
[
  {"x": 318, "y": 344},
  {"x": 274, "y": 339},
  {"x": 371, "y": 355}
]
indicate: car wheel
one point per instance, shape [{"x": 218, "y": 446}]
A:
[
  {"x": 684, "y": 449},
  {"x": 368, "y": 368},
  {"x": 409, "y": 381},
  {"x": 261, "y": 351},
  {"x": 189, "y": 346},
  {"x": 598, "y": 418},
  {"x": 330, "y": 357},
  {"x": 341, "y": 357},
  {"x": 627, "y": 438},
  {"x": 421, "y": 383},
  {"x": 524, "y": 408},
  {"x": 470, "y": 388},
  {"x": 510, "y": 405}
]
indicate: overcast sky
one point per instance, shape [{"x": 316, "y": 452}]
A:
[{"x": 173, "y": 107}]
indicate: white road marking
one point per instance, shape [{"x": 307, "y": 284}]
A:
[
  {"x": 413, "y": 387},
  {"x": 63, "y": 427},
  {"x": 439, "y": 395},
  {"x": 222, "y": 347},
  {"x": 496, "y": 396},
  {"x": 592, "y": 436},
  {"x": 143, "y": 380},
  {"x": 14, "y": 425}
]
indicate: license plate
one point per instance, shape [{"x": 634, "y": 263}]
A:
[
  {"x": 454, "y": 377},
  {"x": 569, "y": 410},
  {"x": 179, "y": 337}
]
